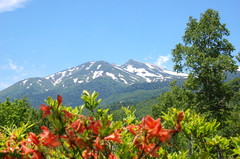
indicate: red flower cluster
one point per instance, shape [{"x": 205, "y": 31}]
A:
[
  {"x": 149, "y": 134},
  {"x": 89, "y": 138},
  {"x": 146, "y": 134},
  {"x": 46, "y": 110},
  {"x": 179, "y": 120},
  {"x": 114, "y": 137},
  {"x": 48, "y": 138}
]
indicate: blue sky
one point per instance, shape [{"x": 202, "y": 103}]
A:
[{"x": 42, "y": 37}]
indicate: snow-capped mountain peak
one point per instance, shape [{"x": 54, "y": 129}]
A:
[
  {"x": 96, "y": 75},
  {"x": 150, "y": 72},
  {"x": 131, "y": 72}
]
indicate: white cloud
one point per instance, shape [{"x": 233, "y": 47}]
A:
[
  {"x": 162, "y": 60},
  {"x": 12, "y": 72},
  {"x": 13, "y": 66},
  {"x": 10, "y": 5}
]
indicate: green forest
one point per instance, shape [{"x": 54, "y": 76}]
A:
[{"x": 209, "y": 129}]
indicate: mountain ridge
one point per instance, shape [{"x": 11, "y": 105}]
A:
[
  {"x": 101, "y": 76},
  {"x": 127, "y": 68}
]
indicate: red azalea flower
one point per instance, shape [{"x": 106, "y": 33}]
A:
[
  {"x": 144, "y": 144},
  {"x": 98, "y": 145},
  {"x": 32, "y": 138},
  {"x": 79, "y": 142},
  {"x": 154, "y": 152},
  {"x": 64, "y": 137},
  {"x": 13, "y": 136},
  {"x": 155, "y": 131},
  {"x": 70, "y": 133},
  {"x": 59, "y": 98},
  {"x": 78, "y": 126},
  {"x": 163, "y": 135},
  {"x": 67, "y": 114},
  {"x": 45, "y": 133},
  {"x": 111, "y": 156},
  {"x": 46, "y": 110},
  {"x": 48, "y": 138},
  {"x": 179, "y": 127},
  {"x": 51, "y": 141},
  {"x": 180, "y": 116},
  {"x": 37, "y": 155},
  {"x": 154, "y": 126},
  {"x": 95, "y": 126},
  {"x": 130, "y": 128},
  {"x": 89, "y": 155},
  {"x": 150, "y": 123},
  {"x": 26, "y": 149},
  {"x": 114, "y": 137}
]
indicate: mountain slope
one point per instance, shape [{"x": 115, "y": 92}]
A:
[{"x": 107, "y": 79}]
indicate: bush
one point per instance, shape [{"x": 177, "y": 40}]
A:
[{"x": 98, "y": 136}]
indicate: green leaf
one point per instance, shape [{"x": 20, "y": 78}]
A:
[{"x": 204, "y": 155}]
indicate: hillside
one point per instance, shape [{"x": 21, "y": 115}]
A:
[{"x": 144, "y": 107}]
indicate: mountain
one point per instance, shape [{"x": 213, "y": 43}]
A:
[
  {"x": 150, "y": 73},
  {"x": 107, "y": 79}
]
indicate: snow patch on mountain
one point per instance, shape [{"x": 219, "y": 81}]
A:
[
  {"x": 81, "y": 67},
  {"x": 91, "y": 63},
  {"x": 149, "y": 65},
  {"x": 125, "y": 71},
  {"x": 39, "y": 82},
  {"x": 51, "y": 76},
  {"x": 97, "y": 74},
  {"x": 70, "y": 71},
  {"x": 148, "y": 80},
  {"x": 64, "y": 86},
  {"x": 134, "y": 78},
  {"x": 58, "y": 80},
  {"x": 29, "y": 85},
  {"x": 98, "y": 67},
  {"x": 75, "y": 80},
  {"x": 80, "y": 81},
  {"x": 87, "y": 80},
  {"x": 111, "y": 75},
  {"x": 140, "y": 72},
  {"x": 175, "y": 73},
  {"x": 124, "y": 80},
  {"x": 120, "y": 75},
  {"x": 24, "y": 82},
  {"x": 130, "y": 68}
]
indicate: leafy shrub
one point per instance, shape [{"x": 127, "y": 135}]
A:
[{"x": 98, "y": 136}]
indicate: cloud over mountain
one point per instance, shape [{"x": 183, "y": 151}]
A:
[{"x": 161, "y": 60}]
